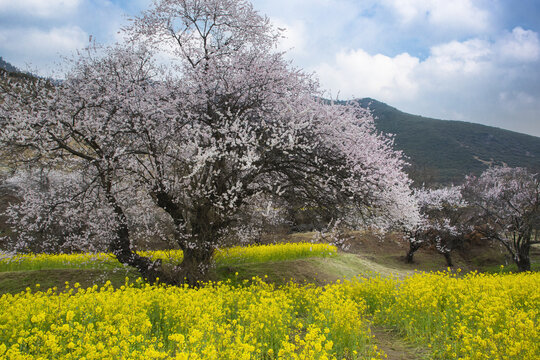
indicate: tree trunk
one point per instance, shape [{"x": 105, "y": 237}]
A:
[
  {"x": 522, "y": 259},
  {"x": 523, "y": 264},
  {"x": 198, "y": 250},
  {"x": 448, "y": 259},
  {"x": 120, "y": 247},
  {"x": 195, "y": 266},
  {"x": 413, "y": 246}
]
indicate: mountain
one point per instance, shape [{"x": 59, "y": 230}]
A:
[
  {"x": 442, "y": 151},
  {"x": 7, "y": 66},
  {"x": 7, "y": 70}
]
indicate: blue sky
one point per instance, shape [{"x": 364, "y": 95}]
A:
[{"x": 472, "y": 60}]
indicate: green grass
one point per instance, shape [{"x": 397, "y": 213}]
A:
[
  {"x": 275, "y": 265},
  {"x": 279, "y": 263},
  {"x": 313, "y": 270},
  {"x": 511, "y": 268},
  {"x": 16, "y": 281}
]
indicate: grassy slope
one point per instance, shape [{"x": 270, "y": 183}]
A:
[
  {"x": 17, "y": 281},
  {"x": 366, "y": 255},
  {"x": 314, "y": 270}
]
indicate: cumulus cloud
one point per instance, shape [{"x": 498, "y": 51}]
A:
[
  {"x": 39, "y": 8},
  {"x": 455, "y": 14},
  {"x": 314, "y": 28},
  {"x": 25, "y": 43},
  {"x": 467, "y": 57},
  {"x": 359, "y": 74},
  {"x": 474, "y": 79},
  {"x": 294, "y": 36},
  {"x": 44, "y": 42},
  {"x": 520, "y": 45},
  {"x": 36, "y": 34}
]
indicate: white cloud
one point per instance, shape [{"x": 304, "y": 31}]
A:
[
  {"x": 516, "y": 99},
  {"x": 25, "y": 43},
  {"x": 455, "y": 14},
  {"x": 39, "y": 8},
  {"x": 520, "y": 45},
  {"x": 44, "y": 42},
  {"x": 294, "y": 36},
  {"x": 316, "y": 29},
  {"x": 469, "y": 57},
  {"x": 359, "y": 74}
]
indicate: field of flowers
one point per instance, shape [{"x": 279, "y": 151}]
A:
[
  {"x": 226, "y": 256},
  {"x": 453, "y": 316},
  {"x": 218, "y": 321},
  {"x": 477, "y": 316}
]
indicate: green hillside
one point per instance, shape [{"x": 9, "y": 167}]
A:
[{"x": 444, "y": 151}]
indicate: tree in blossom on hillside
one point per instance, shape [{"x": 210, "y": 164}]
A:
[
  {"x": 443, "y": 223},
  {"x": 507, "y": 203},
  {"x": 80, "y": 133},
  {"x": 225, "y": 125}
]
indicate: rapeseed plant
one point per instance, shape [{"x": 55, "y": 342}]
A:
[
  {"x": 217, "y": 321},
  {"x": 477, "y": 316}
]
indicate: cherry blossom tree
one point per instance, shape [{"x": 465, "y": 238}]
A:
[
  {"x": 86, "y": 127},
  {"x": 223, "y": 127},
  {"x": 507, "y": 202},
  {"x": 444, "y": 214},
  {"x": 52, "y": 219}
]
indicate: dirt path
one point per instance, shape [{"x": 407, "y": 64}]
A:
[{"x": 395, "y": 347}]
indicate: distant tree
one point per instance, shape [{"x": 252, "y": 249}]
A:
[
  {"x": 226, "y": 126},
  {"x": 507, "y": 203},
  {"x": 52, "y": 219},
  {"x": 443, "y": 223}
]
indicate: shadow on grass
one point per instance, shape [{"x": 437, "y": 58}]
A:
[
  {"x": 16, "y": 281},
  {"x": 318, "y": 271}
]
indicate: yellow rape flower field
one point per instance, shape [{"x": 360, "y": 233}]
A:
[{"x": 452, "y": 316}]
